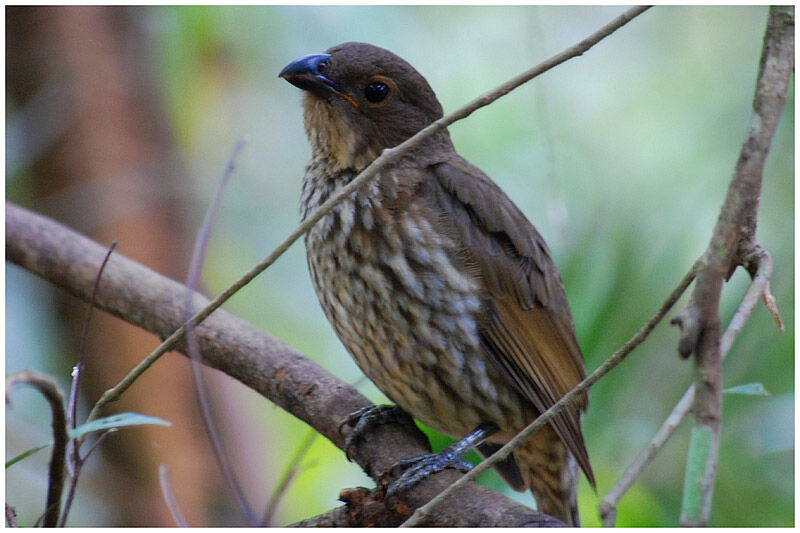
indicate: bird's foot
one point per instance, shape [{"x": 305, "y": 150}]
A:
[
  {"x": 419, "y": 468},
  {"x": 365, "y": 417}
]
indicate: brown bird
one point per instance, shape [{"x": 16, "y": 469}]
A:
[{"x": 441, "y": 290}]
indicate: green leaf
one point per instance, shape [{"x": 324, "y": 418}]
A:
[
  {"x": 23, "y": 455},
  {"x": 109, "y": 422},
  {"x": 116, "y": 421},
  {"x": 751, "y": 389}
]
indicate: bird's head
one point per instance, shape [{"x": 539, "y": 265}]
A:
[{"x": 359, "y": 100}]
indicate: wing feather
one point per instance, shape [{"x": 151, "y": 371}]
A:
[{"x": 528, "y": 329}]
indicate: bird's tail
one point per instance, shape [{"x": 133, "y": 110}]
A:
[{"x": 551, "y": 473}]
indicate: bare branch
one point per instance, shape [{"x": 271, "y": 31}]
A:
[
  {"x": 203, "y": 398},
  {"x": 608, "y": 506},
  {"x": 365, "y": 508},
  {"x": 77, "y": 466},
  {"x": 72, "y": 420},
  {"x": 75, "y": 461},
  {"x": 732, "y": 243},
  {"x": 169, "y": 496},
  {"x": 258, "y": 360},
  {"x": 769, "y": 301},
  {"x": 286, "y": 478},
  {"x": 386, "y": 158},
  {"x": 47, "y": 386}
]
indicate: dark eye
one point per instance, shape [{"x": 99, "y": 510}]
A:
[{"x": 376, "y": 92}]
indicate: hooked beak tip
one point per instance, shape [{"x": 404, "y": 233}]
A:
[{"x": 305, "y": 65}]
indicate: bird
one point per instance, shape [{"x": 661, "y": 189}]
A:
[{"x": 436, "y": 283}]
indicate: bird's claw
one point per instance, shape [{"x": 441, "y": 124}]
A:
[
  {"x": 419, "y": 468},
  {"x": 365, "y": 417}
]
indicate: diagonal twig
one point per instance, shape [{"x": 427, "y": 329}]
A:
[
  {"x": 77, "y": 465},
  {"x": 169, "y": 496},
  {"x": 203, "y": 399},
  {"x": 72, "y": 420},
  {"x": 75, "y": 461},
  {"x": 608, "y": 365},
  {"x": 286, "y": 478},
  {"x": 758, "y": 286},
  {"x": 255, "y": 358},
  {"x": 386, "y": 158}
]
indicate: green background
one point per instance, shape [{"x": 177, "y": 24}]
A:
[{"x": 621, "y": 158}]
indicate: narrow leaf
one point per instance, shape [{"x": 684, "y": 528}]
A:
[
  {"x": 23, "y": 455},
  {"x": 116, "y": 421},
  {"x": 751, "y": 389}
]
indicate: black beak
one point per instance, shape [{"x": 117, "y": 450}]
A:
[{"x": 305, "y": 74}]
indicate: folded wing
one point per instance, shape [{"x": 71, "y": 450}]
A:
[{"x": 527, "y": 329}]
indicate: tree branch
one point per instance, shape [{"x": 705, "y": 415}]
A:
[
  {"x": 386, "y": 158},
  {"x": 732, "y": 243},
  {"x": 258, "y": 360},
  {"x": 758, "y": 287},
  {"x": 45, "y": 385}
]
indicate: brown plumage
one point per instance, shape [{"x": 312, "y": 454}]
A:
[{"x": 438, "y": 286}]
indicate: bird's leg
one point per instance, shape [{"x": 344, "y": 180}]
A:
[
  {"x": 369, "y": 416},
  {"x": 418, "y": 468}
]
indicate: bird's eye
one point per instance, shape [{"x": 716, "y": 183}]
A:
[{"x": 376, "y": 92}]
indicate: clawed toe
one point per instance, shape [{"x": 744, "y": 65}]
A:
[
  {"x": 419, "y": 468},
  {"x": 365, "y": 417}
]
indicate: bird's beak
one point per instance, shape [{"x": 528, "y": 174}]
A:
[{"x": 305, "y": 74}]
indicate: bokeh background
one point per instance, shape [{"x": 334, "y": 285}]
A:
[{"x": 120, "y": 121}]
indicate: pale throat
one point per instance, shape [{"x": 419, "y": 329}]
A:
[{"x": 334, "y": 138}]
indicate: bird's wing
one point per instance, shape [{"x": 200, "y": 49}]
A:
[{"x": 527, "y": 328}]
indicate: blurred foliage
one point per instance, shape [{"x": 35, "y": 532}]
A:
[{"x": 620, "y": 157}]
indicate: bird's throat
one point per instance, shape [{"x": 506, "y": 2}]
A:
[{"x": 332, "y": 137}]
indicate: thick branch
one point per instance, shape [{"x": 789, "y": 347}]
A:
[
  {"x": 258, "y": 360},
  {"x": 367, "y": 509}
]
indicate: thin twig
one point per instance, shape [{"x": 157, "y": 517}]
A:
[
  {"x": 608, "y": 506},
  {"x": 75, "y": 462},
  {"x": 11, "y": 516},
  {"x": 758, "y": 287},
  {"x": 73, "y": 486},
  {"x": 203, "y": 399},
  {"x": 769, "y": 301},
  {"x": 386, "y": 158},
  {"x": 169, "y": 496},
  {"x": 288, "y": 475},
  {"x": 608, "y": 365},
  {"x": 49, "y": 389},
  {"x": 72, "y": 420}
]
